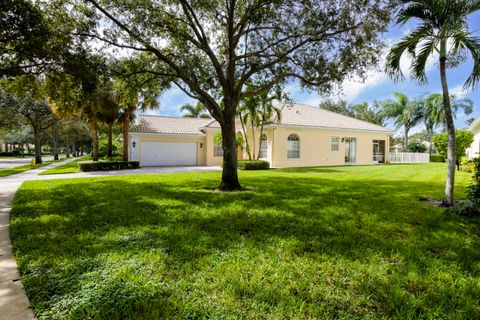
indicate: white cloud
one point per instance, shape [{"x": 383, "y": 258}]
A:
[{"x": 459, "y": 92}]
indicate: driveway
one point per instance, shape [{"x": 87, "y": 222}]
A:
[{"x": 6, "y": 163}]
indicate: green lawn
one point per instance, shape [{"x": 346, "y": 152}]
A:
[
  {"x": 26, "y": 167},
  {"x": 336, "y": 242},
  {"x": 70, "y": 167}
]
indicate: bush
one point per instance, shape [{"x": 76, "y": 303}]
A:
[
  {"x": 467, "y": 165},
  {"x": 253, "y": 165},
  {"x": 471, "y": 207},
  {"x": 88, "y": 166},
  {"x": 436, "y": 158}
]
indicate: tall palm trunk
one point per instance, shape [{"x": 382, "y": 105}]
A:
[
  {"x": 247, "y": 144},
  {"x": 451, "y": 152},
  {"x": 109, "y": 137},
  {"x": 405, "y": 138},
  {"x": 252, "y": 125},
  {"x": 94, "y": 128},
  {"x": 125, "y": 129}
]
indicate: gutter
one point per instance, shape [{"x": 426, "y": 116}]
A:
[{"x": 167, "y": 135}]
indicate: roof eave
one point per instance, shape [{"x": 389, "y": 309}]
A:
[
  {"x": 168, "y": 135},
  {"x": 386, "y": 131}
]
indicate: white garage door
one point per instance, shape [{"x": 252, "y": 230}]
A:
[{"x": 155, "y": 153}]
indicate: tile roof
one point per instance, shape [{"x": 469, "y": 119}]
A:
[
  {"x": 298, "y": 115},
  {"x": 309, "y": 116},
  {"x": 170, "y": 125}
]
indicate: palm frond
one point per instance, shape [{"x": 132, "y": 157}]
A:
[
  {"x": 473, "y": 46},
  {"x": 408, "y": 43},
  {"x": 420, "y": 61}
]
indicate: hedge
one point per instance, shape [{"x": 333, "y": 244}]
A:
[
  {"x": 87, "y": 166},
  {"x": 253, "y": 165},
  {"x": 436, "y": 158}
]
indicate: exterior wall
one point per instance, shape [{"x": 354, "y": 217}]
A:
[
  {"x": 134, "y": 153},
  {"x": 474, "y": 150},
  {"x": 210, "y": 159},
  {"x": 315, "y": 146}
]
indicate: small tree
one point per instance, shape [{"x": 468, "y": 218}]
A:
[
  {"x": 464, "y": 140},
  {"x": 405, "y": 113},
  {"x": 195, "y": 111}
]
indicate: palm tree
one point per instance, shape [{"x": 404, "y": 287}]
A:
[
  {"x": 132, "y": 94},
  {"x": 195, "y": 111},
  {"x": 257, "y": 111},
  {"x": 442, "y": 30},
  {"x": 434, "y": 113},
  {"x": 406, "y": 113}
]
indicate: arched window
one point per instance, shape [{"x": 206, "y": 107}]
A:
[
  {"x": 293, "y": 146},
  {"x": 263, "y": 147}
]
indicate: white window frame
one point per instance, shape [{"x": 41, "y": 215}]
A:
[
  {"x": 293, "y": 147},
  {"x": 263, "y": 147},
  {"x": 334, "y": 144}
]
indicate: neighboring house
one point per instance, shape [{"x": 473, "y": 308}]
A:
[
  {"x": 304, "y": 136},
  {"x": 474, "y": 150}
]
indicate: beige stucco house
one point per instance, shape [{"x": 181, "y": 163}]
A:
[
  {"x": 304, "y": 136},
  {"x": 474, "y": 150}
]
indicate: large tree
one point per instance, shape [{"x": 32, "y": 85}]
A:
[
  {"x": 442, "y": 31},
  {"x": 211, "y": 49},
  {"x": 26, "y": 96}
]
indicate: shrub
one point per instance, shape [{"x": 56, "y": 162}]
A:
[
  {"x": 467, "y": 165},
  {"x": 437, "y": 158},
  {"x": 88, "y": 166},
  {"x": 471, "y": 207},
  {"x": 253, "y": 165}
]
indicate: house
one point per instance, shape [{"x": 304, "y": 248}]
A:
[
  {"x": 474, "y": 150},
  {"x": 303, "y": 136}
]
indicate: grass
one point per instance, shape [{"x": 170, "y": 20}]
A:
[
  {"x": 70, "y": 167},
  {"x": 312, "y": 243},
  {"x": 26, "y": 167}
]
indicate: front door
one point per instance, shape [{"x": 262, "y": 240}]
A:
[{"x": 350, "y": 150}]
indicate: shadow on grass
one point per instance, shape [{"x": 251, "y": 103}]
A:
[{"x": 92, "y": 247}]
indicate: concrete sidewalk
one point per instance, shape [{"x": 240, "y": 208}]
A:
[{"x": 14, "y": 304}]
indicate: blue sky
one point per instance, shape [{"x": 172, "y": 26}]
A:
[{"x": 377, "y": 86}]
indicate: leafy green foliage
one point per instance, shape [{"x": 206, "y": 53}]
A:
[
  {"x": 196, "y": 111},
  {"x": 87, "y": 166},
  {"x": 363, "y": 111},
  {"x": 464, "y": 139},
  {"x": 293, "y": 245},
  {"x": 436, "y": 158},
  {"x": 417, "y": 147},
  {"x": 253, "y": 165}
]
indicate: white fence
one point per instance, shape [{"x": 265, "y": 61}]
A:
[{"x": 409, "y": 157}]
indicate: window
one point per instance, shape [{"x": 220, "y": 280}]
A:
[
  {"x": 217, "y": 150},
  {"x": 293, "y": 147},
  {"x": 263, "y": 147},
  {"x": 335, "y": 143}
]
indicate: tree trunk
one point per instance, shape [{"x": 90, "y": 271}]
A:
[
  {"x": 125, "y": 128},
  {"x": 260, "y": 141},
  {"x": 405, "y": 139},
  {"x": 451, "y": 150},
  {"x": 247, "y": 145},
  {"x": 229, "y": 144},
  {"x": 38, "y": 144},
  {"x": 253, "y": 138},
  {"x": 93, "y": 125},
  {"x": 109, "y": 137}
]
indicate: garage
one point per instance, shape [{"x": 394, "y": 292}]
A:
[{"x": 159, "y": 153}]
